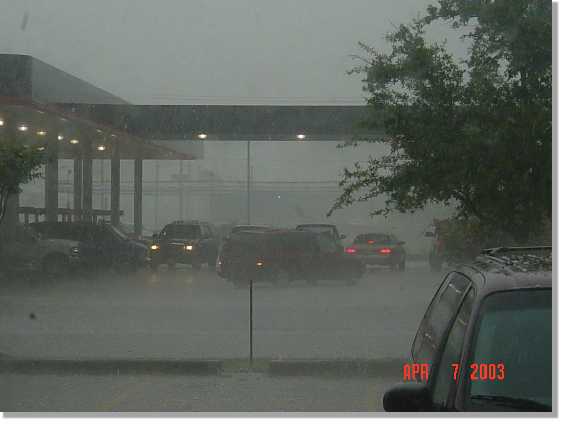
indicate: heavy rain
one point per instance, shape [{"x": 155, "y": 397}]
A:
[{"x": 263, "y": 206}]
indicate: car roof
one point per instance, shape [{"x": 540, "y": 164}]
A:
[
  {"x": 188, "y": 222},
  {"x": 250, "y": 227},
  {"x": 511, "y": 268}
]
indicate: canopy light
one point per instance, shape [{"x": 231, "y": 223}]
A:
[
  {"x": 202, "y": 136},
  {"x": 101, "y": 148},
  {"x": 41, "y": 148},
  {"x": 23, "y": 127},
  {"x": 1, "y": 122},
  {"x": 74, "y": 141},
  {"x": 301, "y": 136},
  {"x": 60, "y": 137},
  {"x": 42, "y": 133}
]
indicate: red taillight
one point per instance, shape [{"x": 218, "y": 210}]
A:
[
  {"x": 371, "y": 241},
  {"x": 350, "y": 250},
  {"x": 385, "y": 250}
]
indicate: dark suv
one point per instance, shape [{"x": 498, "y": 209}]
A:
[
  {"x": 486, "y": 338},
  {"x": 281, "y": 256},
  {"x": 185, "y": 242}
]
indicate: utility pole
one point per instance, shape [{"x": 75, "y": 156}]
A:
[
  {"x": 251, "y": 323},
  {"x": 248, "y": 180},
  {"x": 157, "y": 177},
  {"x": 181, "y": 189}
]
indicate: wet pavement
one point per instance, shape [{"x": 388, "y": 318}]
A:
[{"x": 185, "y": 315}]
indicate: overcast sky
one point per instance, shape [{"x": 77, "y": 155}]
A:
[{"x": 206, "y": 51}]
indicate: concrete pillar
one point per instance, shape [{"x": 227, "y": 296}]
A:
[
  {"x": 115, "y": 183},
  {"x": 77, "y": 188},
  {"x": 52, "y": 180},
  {"x": 87, "y": 186},
  {"x": 11, "y": 219},
  {"x": 138, "y": 195}
]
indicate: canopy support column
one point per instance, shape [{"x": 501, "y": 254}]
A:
[
  {"x": 52, "y": 181},
  {"x": 77, "y": 189},
  {"x": 87, "y": 185},
  {"x": 115, "y": 183},
  {"x": 137, "y": 198}
]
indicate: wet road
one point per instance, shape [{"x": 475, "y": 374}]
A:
[
  {"x": 187, "y": 314},
  {"x": 184, "y": 314}
]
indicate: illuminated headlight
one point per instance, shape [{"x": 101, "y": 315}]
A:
[
  {"x": 259, "y": 263},
  {"x": 75, "y": 250},
  {"x": 154, "y": 247},
  {"x": 189, "y": 248}
]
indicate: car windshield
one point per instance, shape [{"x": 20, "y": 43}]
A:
[
  {"x": 181, "y": 231},
  {"x": 515, "y": 330},
  {"x": 247, "y": 228}
]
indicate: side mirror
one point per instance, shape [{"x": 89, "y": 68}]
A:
[
  {"x": 429, "y": 234},
  {"x": 342, "y": 236},
  {"x": 407, "y": 397}
]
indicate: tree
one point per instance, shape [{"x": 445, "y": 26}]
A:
[
  {"x": 473, "y": 133},
  {"x": 18, "y": 165}
]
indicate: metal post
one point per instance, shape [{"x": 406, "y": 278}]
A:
[
  {"x": 115, "y": 183},
  {"x": 77, "y": 188},
  {"x": 156, "y": 188},
  {"x": 87, "y": 185},
  {"x": 248, "y": 180},
  {"x": 138, "y": 194},
  {"x": 52, "y": 181},
  {"x": 181, "y": 188},
  {"x": 251, "y": 322}
]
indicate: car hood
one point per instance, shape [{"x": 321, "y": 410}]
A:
[{"x": 181, "y": 241}]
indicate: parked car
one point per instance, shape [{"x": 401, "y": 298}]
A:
[
  {"x": 282, "y": 256},
  {"x": 28, "y": 252},
  {"x": 332, "y": 230},
  {"x": 186, "y": 242},
  {"x": 239, "y": 228},
  {"x": 486, "y": 338},
  {"x": 379, "y": 249},
  {"x": 129, "y": 230},
  {"x": 102, "y": 244},
  {"x": 329, "y": 229}
]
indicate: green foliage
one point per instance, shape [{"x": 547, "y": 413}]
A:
[
  {"x": 18, "y": 165},
  {"x": 475, "y": 134}
]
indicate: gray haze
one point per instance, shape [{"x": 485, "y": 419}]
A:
[
  {"x": 208, "y": 52},
  {"x": 222, "y": 52}
]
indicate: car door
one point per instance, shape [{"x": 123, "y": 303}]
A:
[
  {"x": 330, "y": 259},
  {"x": 204, "y": 245},
  {"x": 21, "y": 251},
  {"x": 107, "y": 250}
]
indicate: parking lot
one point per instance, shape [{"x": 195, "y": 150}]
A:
[
  {"x": 194, "y": 315},
  {"x": 188, "y": 314}
]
